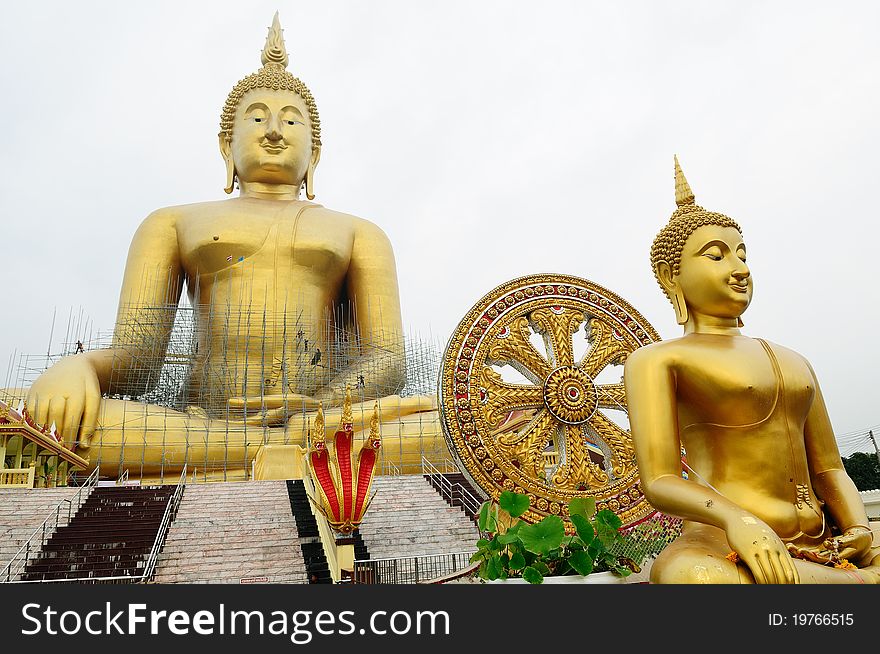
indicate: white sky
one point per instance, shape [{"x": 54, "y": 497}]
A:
[{"x": 489, "y": 140}]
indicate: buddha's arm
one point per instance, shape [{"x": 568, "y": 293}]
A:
[
  {"x": 151, "y": 288},
  {"x": 652, "y": 405},
  {"x": 371, "y": 284},
  {"x": 69, "y": 393},
  {"x": 830, "y": 479},
  {"x": 653, "y": 418}
]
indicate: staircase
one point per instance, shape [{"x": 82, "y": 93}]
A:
[
  {"x": 408, "y": 518},
  {"x": 457, "y": 490},
  {"x": 317, "y": 570},
  {"x": 21, "y": 511},
  {"x": 110, "y": 537},
  {"x": 233, "y": 532}
]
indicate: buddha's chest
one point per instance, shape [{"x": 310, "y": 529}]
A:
[
  {"x": 743, "y": 387},
  {"x": 264, "y": 242}
]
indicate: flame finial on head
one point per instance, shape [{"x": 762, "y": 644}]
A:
[
  {"x": 274, "y": 50},
  {"x": 683, "y": 193}
]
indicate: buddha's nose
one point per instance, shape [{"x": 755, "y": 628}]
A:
[
  {"x": 741, "y": 272},
  {"x": 273, "y": 128}
]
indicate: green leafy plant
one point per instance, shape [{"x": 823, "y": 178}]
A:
[{"x": 512, "y": 547}]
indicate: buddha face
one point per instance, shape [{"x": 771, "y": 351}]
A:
[
  {"x": 713, "y": 276},
  {"x": 271, "y": 138}
]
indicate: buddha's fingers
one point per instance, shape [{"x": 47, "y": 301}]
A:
[
  {"x": 269, "y": 418},
  {"x": 789, "y": 570},
  {"x": 853, "y": 544},
  {"x": 821, "y": 556},
  {"x": 38, "y": 407},
  {"x": 56, "y": 412},
  {"x": 72, "y": 416},
  {"x": 295, "y": 401},
  {"x": 761, "y": 569},
  {"x": 90, "y": 414}
]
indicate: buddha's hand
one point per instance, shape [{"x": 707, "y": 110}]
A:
[
  {"x": 67, "y": 394},
  {"x": 761, "y": 550},
  {"x": 271, "y": 410},
  {"x": 852, "y": 545}
]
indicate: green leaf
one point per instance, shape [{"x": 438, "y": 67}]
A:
[
  {"x": 510, "y": 536},
  {"x": 607, "y": 524},
  {"x": 477, "y": 556},
  {"x": 517, "y": 561},
  {"x": 493, "y": 568},
  {"x": 514, "y": 503},
  {"x": 532, "y": 576},
  {"x": 582, "y": 562},
  {"x": 544, "y": 536},
  {"x": 541, "y": 567},
  {"x": 582, "y": 506},
  {"x": 486, "y": 520},
  {"x": 584, "y": 528}
]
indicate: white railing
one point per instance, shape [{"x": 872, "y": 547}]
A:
[
  {"x": 49, "y": 526},
  {"x": 451, "y": 491},
  {"x": 150, "y": 562},
  {"x": 164, "y": 526}
]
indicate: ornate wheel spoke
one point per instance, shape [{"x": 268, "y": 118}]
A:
[
  {"x": 623, "y": 456},
  {"x": 499, "y": 428},
  {"x": 612, "y": 396},
  {"x": 605, "y": 349},
  {"x": 512, "y": 347},
  {"x": 502, "y": 397},
  {"x": 578, "y": 469},
  {"x": 557, "y": 325},
  {"x": 526, "y": 449}
]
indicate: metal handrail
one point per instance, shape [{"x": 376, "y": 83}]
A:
[
  {"x": 452, "y": 491},
  {"x": 149, "y": 568},
  {"x": 123, "y": 478},
  {"x": 164, "y": 526},
  {"x": 409, "y": 569},
  {"x": 8, "y": 572}
]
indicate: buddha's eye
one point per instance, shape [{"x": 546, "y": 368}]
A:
[
  {"x": 258, "y": 120},
  {"x": 293, "y": 122},
  {"x": 712, "y": 256}
]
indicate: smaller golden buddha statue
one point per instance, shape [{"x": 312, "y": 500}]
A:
[{"x": 766, "y": 498}]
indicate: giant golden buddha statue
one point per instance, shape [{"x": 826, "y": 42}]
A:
[
  {"x": 273, "y": 279},
  {"x": 766, "y": 498}
]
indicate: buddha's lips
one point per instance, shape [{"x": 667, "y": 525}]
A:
[
  {"x": 740, "y": 288},
  {"x": 274, "y": 149}
]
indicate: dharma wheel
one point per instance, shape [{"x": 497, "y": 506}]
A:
[{"x": 532, "y": 399}]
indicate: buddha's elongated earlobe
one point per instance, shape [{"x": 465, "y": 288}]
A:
[
  {"x": 230, "y": 176},
  {"x": 673, "y": 291},
  {"x": 226, "y": 152},
  {"x": 310, "y": 173},
  {"x": 679, "y": 304}
]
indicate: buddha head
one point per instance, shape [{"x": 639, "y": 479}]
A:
[
  {"x": 699, "y": 260},
  {"x": 269, "y": 129}
]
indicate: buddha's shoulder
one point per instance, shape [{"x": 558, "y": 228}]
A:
[
  {"x": 662, "y": 354},
  {"x": 359, "y": 227}
]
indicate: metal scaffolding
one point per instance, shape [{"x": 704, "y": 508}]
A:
[{"x": 191, "y": 360}]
